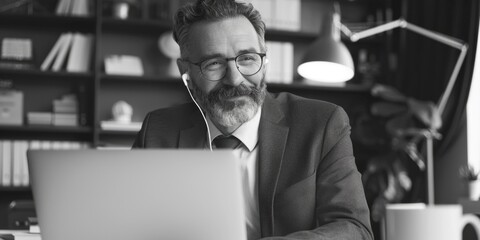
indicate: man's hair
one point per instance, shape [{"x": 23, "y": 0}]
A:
[{"x": 214, "y": 10}]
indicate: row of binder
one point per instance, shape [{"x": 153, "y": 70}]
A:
[
  {"x": 13, "y": 158},
  {"x": 71, "y": 51}
]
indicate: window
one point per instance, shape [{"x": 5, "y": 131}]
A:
[{"x": 473, "y": 114}]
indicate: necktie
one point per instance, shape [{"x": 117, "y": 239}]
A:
[{"x": 226, "y": 142}]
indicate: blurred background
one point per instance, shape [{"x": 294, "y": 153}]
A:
[{"x": 83, "y": 74}]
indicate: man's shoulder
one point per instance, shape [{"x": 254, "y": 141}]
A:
[
  {"x": 292, "y": 101},
  {"x": 179, "y": 109},
  {"x": 173, "y": 114}
]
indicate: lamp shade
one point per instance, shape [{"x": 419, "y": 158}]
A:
[{"x": 327, "y": 60}]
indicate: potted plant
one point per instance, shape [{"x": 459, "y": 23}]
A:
[{"x": 470, "y": 175}]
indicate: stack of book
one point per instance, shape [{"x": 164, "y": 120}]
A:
[
  {"x": 71, "y": 51},
  {"x": 39, "y": 118},
  {"x": 65, "y": 111},
  {"x": 112, "y": 125}
]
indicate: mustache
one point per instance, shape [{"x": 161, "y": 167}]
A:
[{"x": 226, "y": 91}]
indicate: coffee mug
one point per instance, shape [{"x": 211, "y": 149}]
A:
[{"x": 412, "y": 221}]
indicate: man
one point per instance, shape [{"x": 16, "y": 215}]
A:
[{"x": 300, "y": 177}]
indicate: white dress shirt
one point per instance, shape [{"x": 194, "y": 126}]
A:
[{"x": 247, "y": 133}]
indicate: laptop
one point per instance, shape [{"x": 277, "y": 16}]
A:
[{"x": 137, "y": 194}]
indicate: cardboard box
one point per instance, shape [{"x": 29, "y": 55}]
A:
[{"x": 11, "y": 107}]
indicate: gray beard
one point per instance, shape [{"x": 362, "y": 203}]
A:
[{"x": 231, "y": 113}]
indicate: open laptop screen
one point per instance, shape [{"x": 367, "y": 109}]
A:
[{"x": 137, "y": 194}]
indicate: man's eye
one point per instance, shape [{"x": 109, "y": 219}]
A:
[
  {"x": 247, "y": 59},
  {"x": 213, "y": 65}
]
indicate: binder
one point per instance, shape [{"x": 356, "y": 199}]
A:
[
  {"x": 80, "y": 53},
  {"x": 53, "y": 52},
  {"x": 6, "y": 163},
  {"x": 63, "y": 7},
  {"x": 62, "y": 54},
  {"x": 79, "y": 8}
]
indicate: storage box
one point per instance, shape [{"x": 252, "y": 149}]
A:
[{"x": 11, "y": 107}]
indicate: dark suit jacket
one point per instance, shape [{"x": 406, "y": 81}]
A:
[{"x": 309, "y": 186}]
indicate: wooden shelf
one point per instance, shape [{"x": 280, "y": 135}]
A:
[
  {"x": 289, "y": 36},
  {"x": 135, "y": 25},
  {"x": 48, "y": 22},
  {"x": 125, "y": 78},
  {"x": 46, "y": 129},
  {"x": 45, "y": 75},
  {"x": 15, "y": 189},
  {"x": 118, "y": 133}
]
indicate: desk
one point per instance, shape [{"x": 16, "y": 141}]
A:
[{"x": 21, "y": 234}]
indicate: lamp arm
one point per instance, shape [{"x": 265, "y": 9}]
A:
[
  {"x": 355, "y": 36},
  {"x": 439, "y": 37}
]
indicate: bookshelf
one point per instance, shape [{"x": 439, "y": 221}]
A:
[{"x": 138, "y": 35}]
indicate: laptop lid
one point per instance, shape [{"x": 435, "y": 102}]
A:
[{"x": 137, "y": 194}]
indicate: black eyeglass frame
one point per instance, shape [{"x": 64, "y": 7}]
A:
[{"x": 199, "y": 64}]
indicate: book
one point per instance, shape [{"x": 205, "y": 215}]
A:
[
  {"x": 6, "y": 162},
  {"x": 112, "y": 125},
  {"x": 62, "y": 52},
  {"x": 124, "y": 65},
  {"x": 79, "y": 8},
  {"x": 80, "y": 53},
  {"x": 24, "y": 175},
  {"x": 53, "y": 52},
  {"x": 16, "y": 164},
  {"x": 39, "y": 118},
  {"x": 65, "y": 119},
  {"x": 1, "y": 162},
  {"x": 287, "y": 65},
  {"x": 63, "y": 7},
  {"x": 82, "y": 105},
  {"x": 19, "y": 163}
]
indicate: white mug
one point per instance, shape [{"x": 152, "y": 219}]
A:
[{"x": 413, "y": 221}]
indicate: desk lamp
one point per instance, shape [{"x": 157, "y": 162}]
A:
[{"x": 430, "y": 133}]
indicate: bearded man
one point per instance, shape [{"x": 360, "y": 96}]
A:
[{"x": 300, "y": 177}]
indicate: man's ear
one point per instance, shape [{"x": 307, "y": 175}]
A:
[
  {"x": 182, "y": 66},
  {"x": 265, "y": 65},
  {"x": 183, "y": 69}
]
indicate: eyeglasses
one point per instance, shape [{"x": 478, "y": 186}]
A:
[{"x": 215, "y": 69}]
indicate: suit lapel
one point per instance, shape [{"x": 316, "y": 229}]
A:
[
  {"x": 193, "y": 135},
  {"x": 272, "y": 141}
]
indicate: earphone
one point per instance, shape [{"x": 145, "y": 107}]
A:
[{"x": 185, "y": 78}]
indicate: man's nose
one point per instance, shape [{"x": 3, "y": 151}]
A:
[{"x": 232, "y": 77}]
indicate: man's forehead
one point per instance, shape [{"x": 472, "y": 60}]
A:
[{"x": 222, "y": 37}]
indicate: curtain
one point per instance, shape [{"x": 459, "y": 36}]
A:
[{"x": 426, "y": 65}]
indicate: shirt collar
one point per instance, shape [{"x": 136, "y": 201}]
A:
[{"x": 247, "y": 133}]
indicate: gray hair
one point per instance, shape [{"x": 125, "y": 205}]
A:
[{"x": 214, "y": 10}]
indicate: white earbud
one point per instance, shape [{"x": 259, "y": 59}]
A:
[{"x": 185, "y": 77}]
